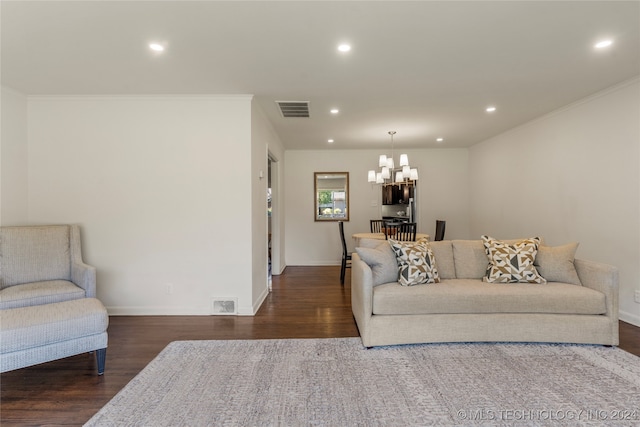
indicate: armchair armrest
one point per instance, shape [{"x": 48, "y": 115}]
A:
[{"x": 84, "y": 276}]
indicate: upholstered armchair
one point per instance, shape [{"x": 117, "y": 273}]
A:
[{"x": 42, "y": 265}]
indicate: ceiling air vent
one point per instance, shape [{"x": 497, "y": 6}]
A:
[{"x": 294, "y": 108}]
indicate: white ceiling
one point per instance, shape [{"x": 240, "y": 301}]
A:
[{"x": 425, "y": 69}]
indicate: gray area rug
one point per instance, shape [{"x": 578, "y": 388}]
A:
[{"x": 337, "y": 382}]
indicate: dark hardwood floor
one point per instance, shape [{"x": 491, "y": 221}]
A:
[{"x": 306, "y": 302}]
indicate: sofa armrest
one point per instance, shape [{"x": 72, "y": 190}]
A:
[
  {"x": 361, "y": 295},
  {"x": 603, "y": 278}
]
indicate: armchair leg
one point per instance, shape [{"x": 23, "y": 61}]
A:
[{"x": 101, "y": 357}]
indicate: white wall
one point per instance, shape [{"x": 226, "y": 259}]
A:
[
  {"x": 140, "y": 175},
  {"x": 13, "y": 158},
  {"x": 442, "y": 194},
  {"x": 162, "y": 189},
  {"x": 264, "y": 141},
  {"x": 572, "y": 175}
]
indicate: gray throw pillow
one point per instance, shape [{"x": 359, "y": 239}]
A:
[
  {"x": 556, "y": 263},
  {"x": 382, "y": 261}
]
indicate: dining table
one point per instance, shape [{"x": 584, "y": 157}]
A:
[{"x": 379, "y": 236}]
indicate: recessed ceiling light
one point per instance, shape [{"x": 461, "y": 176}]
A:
[
  {"x": 334, "y": 111},
  {"x": 157, "y": 47},
  {"x": 440, "y": 139},
  {"x": 330, "y": 141},
  {"x": 602, "y": 44},
  {"x": 490, "y": 109},
  {"x": 344, "y": 48}
]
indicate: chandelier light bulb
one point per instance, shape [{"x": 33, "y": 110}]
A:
[
  {"x": 390, "y": 164},
  {"x": 372, "y": 176},
  {"x": 383, "y": 160},
  {"x": 404, "y": 160},
  {"x": 399, "y": 177},
  {"x": 379, "y": 179}
]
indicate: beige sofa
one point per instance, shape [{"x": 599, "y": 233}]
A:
[{"x": 463, "y": 308}]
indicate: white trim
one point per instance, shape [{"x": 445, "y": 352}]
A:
[
  {"x": 158, "y": 311},
  {"x": 180, "y": 311},
  {"x": 277, "y": 272},
  {"x": 141, "y": 96},
  {"x": 256, "y": 305},
  {"x": 633, "y": 319},
  {"x": 314, "y": 263}
]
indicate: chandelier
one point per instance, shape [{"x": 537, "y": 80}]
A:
[{"x": 387, "y": 169}]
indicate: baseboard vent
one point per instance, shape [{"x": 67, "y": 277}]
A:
[{"x": 224, "y": 306}]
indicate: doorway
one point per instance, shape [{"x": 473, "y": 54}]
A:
[
  {"x": 273, "y": 218},
  {"x": 269, "y": 222}
]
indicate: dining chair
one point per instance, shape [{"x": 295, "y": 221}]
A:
[
  {"x": 440, "y": 225},
  {"x": 376, "y": 225},
  {"x": 346, "y": 256},
  {"x": 390, "y": 227},
  {"x": 406, "y": 232}
]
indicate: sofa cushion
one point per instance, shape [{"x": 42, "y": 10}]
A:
[
  {"x": 511, "y": 263},
  {"x": 443, "y": 253},
  {"x": 35, "y": 327},
  {"x": 34, "y": 254},
  {"x": 556, "y": 263},
  {"x": 463, "y": 296},
  {"x": 470, "y": 259},
  {"x": 380, "y": 258},
  {"x": 416, "y": 264},
  {"x": 39, "y": 293}
]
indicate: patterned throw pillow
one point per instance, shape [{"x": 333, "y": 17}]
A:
[
  {"x": 511, "y": 263},
  {"x": 416, "y": 263}
]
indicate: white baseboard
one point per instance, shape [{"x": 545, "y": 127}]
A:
[
  {"x": 256, "y": 305},
  {"x": 158, "y": 311},
  {"x": 182, "y": 311},
  {"x": 314, "y": 264},
  {"x": 629, "y": 318}
]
